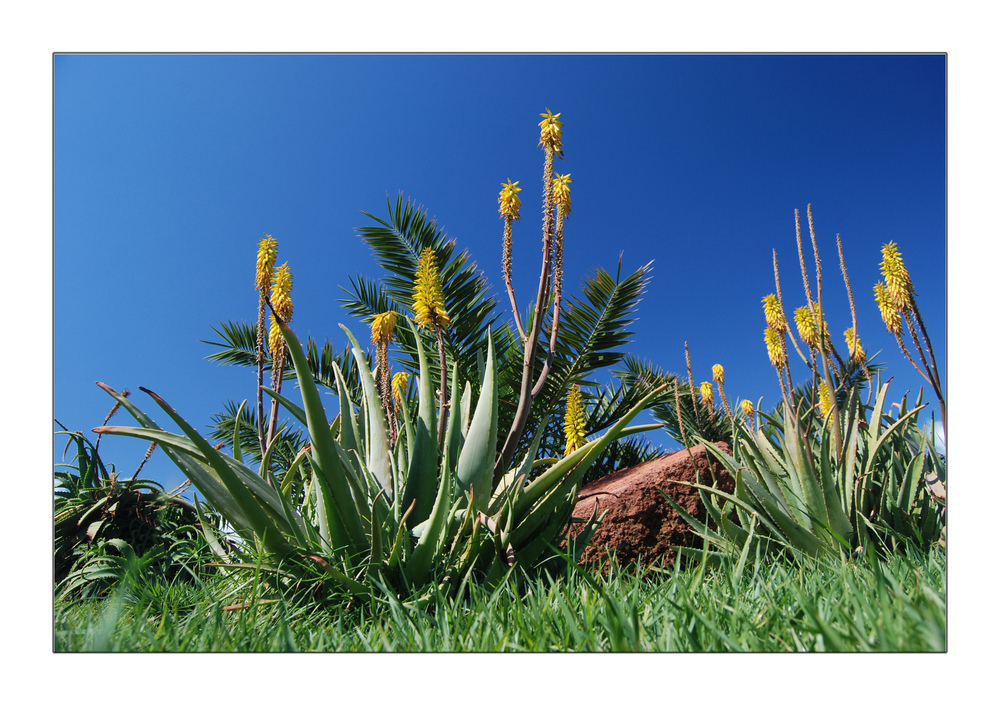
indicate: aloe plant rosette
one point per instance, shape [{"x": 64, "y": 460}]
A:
[{"x": 409, "y": 516}]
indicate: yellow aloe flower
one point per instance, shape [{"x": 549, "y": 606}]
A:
[
  {"x": 274, "y": 340},
  {"x": 824, "y": 399},
  {"x": 747, "y": 408},
  {"x": 560, "y": 193},
  {"x": 576, "y": 432},
  {"x": 897, "y": 279},
  {"x": 428, "y": 299},
  {"x": 718, "y": 373},
  {"x": 267, "y": 253},
  {"x": 400, "y": 382},
  {"x": 858, "y": 354},
  {"x": 807, "y": 329},
  {"x": 775, "y": 351},
  {"x": 890, "y": 315},
  {"x": 706, "y": 393},
  {"x": 551, "y": 131},
  {"x": 773, "y": 314},
  {"x": 281, "y": 290},
  {"x": 510, "y": 202},
  {"x": 383, "y": 327}
]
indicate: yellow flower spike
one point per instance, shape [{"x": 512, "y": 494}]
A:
[
  {"x": 428, "y": 299},
  {"x": 857, "y": 354},
  {"x": 824, "y": 399},
  {"x": 274, "y": 340},
  {"x": 551, "y": 136},
  {"x": 775, "y": 351},
  {"x": 808, "y": 331},
  {"x": 747, "y": 408},
  {"x": 890, "y": 315},
  {"x": 897, "y": 279},
  {"x": 510, "y": 202},
  {"x": 400, "y": 382},
  {"x": 706, "y": 393},
  {"x": 573, "y": 426},
  {"x": 773, "y": 314},
  {"x": 267, "y": 253},
  {"x": 383, "y": 327},
  {"x": 560, "y": 193},
  {"x": 281, "y": 290},
  {"x": 718, "y": 373}
]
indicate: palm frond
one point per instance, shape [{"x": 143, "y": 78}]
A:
[
  {"x": 238, "y": 345},
  {"x": 709, "y": 423},
  {"x": 593, "y": 329},
  {"x": 290, "y": 440},
  {"x": 396, "y": 245}
]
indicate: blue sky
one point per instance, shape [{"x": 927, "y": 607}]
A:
[{"x": 169, "y": 169}]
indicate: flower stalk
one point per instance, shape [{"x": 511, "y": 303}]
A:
[
  {"x": 267, "y": 253},
  {"x": 281, "y": 303},
  {"x": 549, "y": 285},
  {"x": 897, "y": 302},
  {"x": 431, "y": 313},
  {"x": 383, "y": 330}
]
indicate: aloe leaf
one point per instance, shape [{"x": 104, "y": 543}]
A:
[
  {"x": 353, "y": 586},
  {"x": 237, "y": 452},
  {"x": 576, "y": 464},
  {"x": 262, "y": 521},
  {"x": 343, "y": 516},
  {"x": 559, "y": 509},
  {"x": 348, "y": 422},
  {"x": 297, "y": 412},
  {"x": 397, "y": 547},
  {"x": 424, "y": 553},
  {"x": 510, "y": 478},
  {"x": 886, "y": 436},
  {"x": 849, "y": 459},
  {"x": 208, "y": 530},
  {"x": 453, "y": 430},
  {"x": 204, "y": 478},
  {"x": 800, "y": 468},
  {"x": 378, "y": 462},
  {"x": 466, "y": 408},
  {"x": 765, "y": 518},
  {"x": 840, "y": 524},
  {"x": 421, "y": 477},
  {"x": 294, "y": 469},
  {"x": 476, "y": 460},
  {"x": 193, "y": 462}
]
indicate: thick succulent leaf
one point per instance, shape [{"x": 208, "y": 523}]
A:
[
  {"x": 475, "y": 463},
  {"x": 344, "y": 517},
  {"x": 425, "y": 552},
  {"x": 264, "y": 522},
  {"x": 421, "y": 477},
  {"x": 569, "y": 469},
  {"x": 379, "y": 456}
]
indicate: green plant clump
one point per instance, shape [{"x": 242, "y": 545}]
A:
[{"x": 431, "y": 496}]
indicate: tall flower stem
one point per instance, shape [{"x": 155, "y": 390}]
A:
[
  {"x": 551, "y": 140},
  {"x": 443, "y": 392},
  {"x": 824, "y": 339},
  {"x": 267, "y": 253},
  {"x": 428, "y": 304},
  {"x": 510, "y": 205},
  {"x": 525, "y": 397}
]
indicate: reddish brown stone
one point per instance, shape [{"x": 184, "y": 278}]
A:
[{"x": 640, "y": 524}]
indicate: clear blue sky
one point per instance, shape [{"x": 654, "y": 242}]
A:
[{"x": 169, "y": 169}]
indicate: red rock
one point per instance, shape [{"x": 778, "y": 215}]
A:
[{"x": 640, "y": 524}]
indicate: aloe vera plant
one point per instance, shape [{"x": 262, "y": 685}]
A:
[
  {"x": 793, "y": 491},
  {"x": 409, "y": 516}
]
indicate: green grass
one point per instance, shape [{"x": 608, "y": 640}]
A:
[{"x": 773, "y": 606}]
